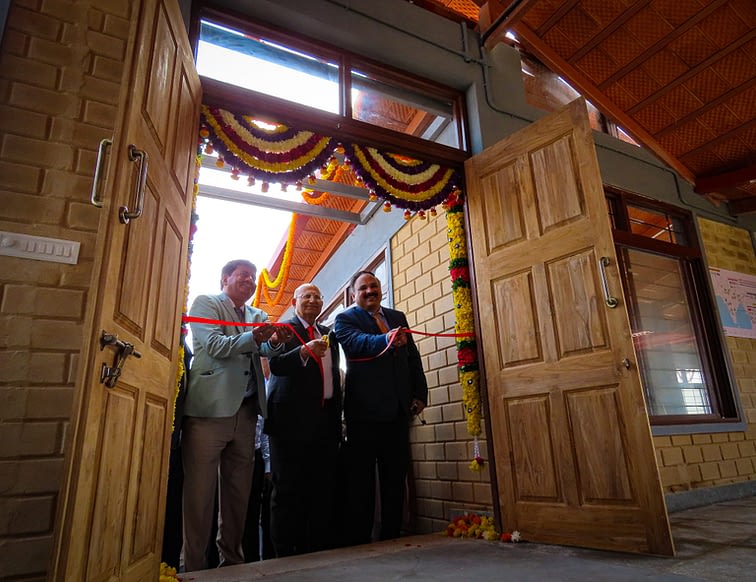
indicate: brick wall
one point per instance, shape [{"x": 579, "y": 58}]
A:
[
  {"x": 60, "y": 71},
  {"x": 441, "y": 450},
  {"x": 706, "y": 460}
]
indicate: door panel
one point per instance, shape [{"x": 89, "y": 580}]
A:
[
  {"x": 575, "y": 463},
  {"x": 134, "y": 285},
  {"x": 114, "y": 502}
]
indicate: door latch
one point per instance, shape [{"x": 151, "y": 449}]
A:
[{"x": 109, "y": 374}]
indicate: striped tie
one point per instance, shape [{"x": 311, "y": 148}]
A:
[{"x": 381, "y": 324}]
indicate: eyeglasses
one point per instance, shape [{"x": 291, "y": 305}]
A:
[{"x": 310, "y": 297}]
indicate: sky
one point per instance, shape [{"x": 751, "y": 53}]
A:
[{"x": 228, "y": 231}]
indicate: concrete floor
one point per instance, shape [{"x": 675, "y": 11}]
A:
[{"x": 714, "y": 543}]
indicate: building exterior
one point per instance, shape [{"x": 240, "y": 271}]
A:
[{"x": 61, "y": 70}]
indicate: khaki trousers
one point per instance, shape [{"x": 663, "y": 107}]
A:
[{"x": 217, "y": 452}]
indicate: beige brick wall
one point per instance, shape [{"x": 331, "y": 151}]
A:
[
  {"x": 706, "y": 460},
  {"x": 60, "y": 71},
  {"x": 441, "y": 450}
]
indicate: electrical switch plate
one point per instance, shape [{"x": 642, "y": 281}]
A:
[{"x": 39, "y": 248}]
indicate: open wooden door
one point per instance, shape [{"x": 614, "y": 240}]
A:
[
  {"x": 575, "y": 463},
  {"x": 112, "y": 501}
]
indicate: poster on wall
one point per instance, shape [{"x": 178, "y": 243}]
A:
[{"x": 736, "y": 300}]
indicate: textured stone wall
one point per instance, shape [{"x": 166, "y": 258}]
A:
[
  {"x": 60, "y": 74},
  {"x": 441, "y": 480}
]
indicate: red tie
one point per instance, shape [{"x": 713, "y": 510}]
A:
[
  {"x": 311, "y": 332},
  {"x": 380, "y": 322}
]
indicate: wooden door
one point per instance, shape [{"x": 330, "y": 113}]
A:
[
  {"x": 112, "y": 501},
  {"x": 575, "y": 463}
]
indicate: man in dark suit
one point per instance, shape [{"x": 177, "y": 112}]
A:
[
  {"x": 384, "y": 389},
  {"x": 304, "y": 426}
]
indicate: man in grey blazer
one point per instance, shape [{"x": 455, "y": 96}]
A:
[{"x": 226, "y": 392}]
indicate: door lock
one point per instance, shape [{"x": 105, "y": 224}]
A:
[{"x": 109, "y": 374}]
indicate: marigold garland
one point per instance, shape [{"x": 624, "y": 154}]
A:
[
  {"x": 192, "y": 229},
  {"x": 405, "y": 182},
  {"x": 168, "y": 573},
  {"x": 263, "y": 280},
  {"x": 467, "y": 355},
  {"x": 272, "y": 155},
  {"x": 472, "y": 525}
]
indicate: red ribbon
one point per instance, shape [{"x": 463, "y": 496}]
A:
[{"x": 391, "y": 334}]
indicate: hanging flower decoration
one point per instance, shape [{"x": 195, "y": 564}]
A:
[
  {"x": 274, "y": 153},
  {"x": 403, "y": 181},
  {"x": 264, "y": 283},
  {"x": 192, "y": 229},
  {"x": 467, "y": 352},
  {"x": 277, "y": 153},
  {"x": 328, "y": 172}
]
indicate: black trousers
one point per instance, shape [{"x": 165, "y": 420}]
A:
[
  {"x": 371, "y": 445},
  {"x": 258, "y": 516},
  {"x": 302, "y": 504}
]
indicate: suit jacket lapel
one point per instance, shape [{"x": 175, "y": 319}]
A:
[{"x": 230, "y": 313}]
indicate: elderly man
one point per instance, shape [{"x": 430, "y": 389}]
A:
[
  {"x": 304, "y": 425},
  {"x": 226, "y": 392}
]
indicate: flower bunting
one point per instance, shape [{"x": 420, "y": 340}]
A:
[
  {"x": 279, "y": 154},
  {"x": 274, "y": 152},
  {"x": 405, "y": 182}
]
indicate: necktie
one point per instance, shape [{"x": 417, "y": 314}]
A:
[
  {"x": 324, "y": 363},
  {"x": 381, "y": 324},
  {"x": 240, "y": 313}
]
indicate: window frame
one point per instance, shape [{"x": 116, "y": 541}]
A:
[
  {"x": 219, "y": 94},
  {"x": 727, "y": 413}
]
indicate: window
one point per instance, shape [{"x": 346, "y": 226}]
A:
[
  {"x": 673, "y": 322},
  {"x": 548, "y": 91},
  {"x": 343, "y": 297},
  {"x": 328, "y": 79}
]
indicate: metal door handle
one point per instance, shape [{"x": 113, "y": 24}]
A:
[
  {"x": 609, "y": 299},
  {"x": 124, "y": 214},
  {"x": 109, "y": 374},
  {"x": 94, "y": 196}
]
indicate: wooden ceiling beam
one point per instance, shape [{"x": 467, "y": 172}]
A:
[
  {"x": 697, "y": 113},
  {"x": 661, "y": 44},
  {"x": 498, "y": 16},
  {"x": 742, "y": 206},
  {"x": 743, "y": 128},
  {"x": 609, "y": 29},
  {"x": 693, "y": 71},
  {"x": 607, "y": 106},
  {"x": 557, "y": 16},
  {"x": 726, "y": 180}
]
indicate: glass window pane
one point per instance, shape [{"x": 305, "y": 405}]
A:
[
  {"x": 664, "y": 337},
  {"x": 403, "y": 110},
  {"x": 260, "y": 65},
  {"x": 656, "y": 224}
]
